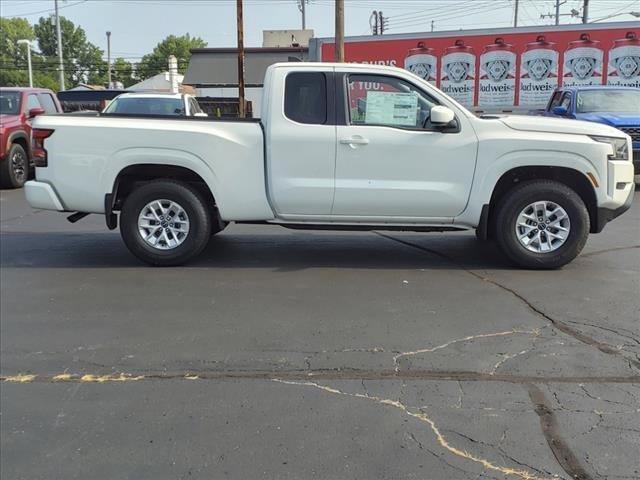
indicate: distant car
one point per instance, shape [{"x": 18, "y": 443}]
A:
[
  {"x": 618, "y": 107},
  {"x": 17, "y": 107},
  {"x": 177, "y": 104}
]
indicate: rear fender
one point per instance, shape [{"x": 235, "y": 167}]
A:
[{"x": 159, "y": 156}]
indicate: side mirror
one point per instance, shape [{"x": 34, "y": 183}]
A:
[
  {"x": 560, "y": 111},
  {"x": 34, "y": 112},
  {"x": 441, "y": 115},
  {"x": 200, "y": 114}
]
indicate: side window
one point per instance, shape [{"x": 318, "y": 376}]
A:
[
  {"x": 32, "y": 102},
  {"x": 47, "y": 103},
  {"x": 555, "y": 100},
  {"x": 195, "y": 108},
  {"x": 305, "y": 97},
  {"x": 389, "y": 101},
  {"x": 566, "y": 101}
]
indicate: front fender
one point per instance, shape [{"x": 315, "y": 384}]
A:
[{"x": 487, "y": 176}]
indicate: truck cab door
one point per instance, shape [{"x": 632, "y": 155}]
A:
[
  {"x": 301, "y": 142},
  {"x": 392, "y": 161}
]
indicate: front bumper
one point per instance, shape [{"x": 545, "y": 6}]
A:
[
  {"x": 605, "y": 215},
  {"x": 42, "y": 195}
]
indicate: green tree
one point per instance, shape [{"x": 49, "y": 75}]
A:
[
  {"x": 122, "y": 71},
  {"x": 13, "y": 57},
  {"x": 82, "y": 60},
  {"x": 157, "y": 60}
]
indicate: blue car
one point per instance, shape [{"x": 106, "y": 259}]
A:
[{"x": 618, "y": 107}]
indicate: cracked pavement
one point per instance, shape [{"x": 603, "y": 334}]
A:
[{"x": 331, "y": 355}]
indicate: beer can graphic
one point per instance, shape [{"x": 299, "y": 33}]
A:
[
  {"x": 624, "y": 60},
  {"x": 538, "y": 72},
  {"x": 583, "y": 62},
  {"x": 422, "y": 62},
  {"x": 457, "y": 78},
  {"x": 497, "y": 75}
]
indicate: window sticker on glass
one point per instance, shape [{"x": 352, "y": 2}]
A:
[{"x": 392, "y": 108}]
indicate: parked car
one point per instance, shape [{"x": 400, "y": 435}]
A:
[
  {"x": 155, "y": 104},
  {"x": 618, "y": 107},
  {"x": 340, "y": 146},
  {"x": 18, "y": 106}
]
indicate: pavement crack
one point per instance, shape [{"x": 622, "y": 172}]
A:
[
  {"x": 319, "y": 374},
  {"x": 551, "y": 431},
  {"x": 422, "y": 417},
  {"x": 558, "y": 324},
  {"x": 501, "y": 450},
  {"x": 469, "y": 338}
]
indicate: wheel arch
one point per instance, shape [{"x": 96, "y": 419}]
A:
[
  {"x": 573, "y": 178},
  {"x": 128, "y": 177},
  {"x": 22, "y": 139}
]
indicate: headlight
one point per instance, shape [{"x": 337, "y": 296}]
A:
[{"x": 619, "y": 145}]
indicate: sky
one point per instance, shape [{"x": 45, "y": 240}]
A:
[{"x": 138, "y": 25}]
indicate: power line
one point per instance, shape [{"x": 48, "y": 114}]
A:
[{"x": 45, "y": 11}]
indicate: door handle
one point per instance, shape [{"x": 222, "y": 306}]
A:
[{"x": 355, "y": 140}]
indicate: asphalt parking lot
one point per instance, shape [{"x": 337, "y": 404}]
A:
[{"x": 295, "y": 355}]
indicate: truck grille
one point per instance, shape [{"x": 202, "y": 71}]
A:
[{"x": 633, "y": 132}]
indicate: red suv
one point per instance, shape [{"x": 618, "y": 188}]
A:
[{"x": 17, "y": 107}]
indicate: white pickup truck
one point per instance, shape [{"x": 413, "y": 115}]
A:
[{"x": 339, "y": 146}]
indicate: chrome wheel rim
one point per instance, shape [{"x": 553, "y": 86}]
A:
[
  {"x": 543, "y": 226},
  {"x": 163, "y": 224},
  {"x": 19, "y": 166}
]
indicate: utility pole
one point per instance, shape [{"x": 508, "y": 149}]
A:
[
  {"x": 240, "y": 27},
  {"x": 557, "y": 15},
  {"x": 301, "y": 7},
  {"x": 109, "y": 59},
  {"x": 339, "y": 52},
  {"x": 59, "y": 38},
  {"x": 585, "y": 11},
  {"x": 558, "y": 11},
  {"x": 432, "y": 25},
  {"x": 28, "y": 44},
  {"x": 515, "y": 15},
  {"x": 373, "y": 22},
  {"x": 382, "y": 22}
]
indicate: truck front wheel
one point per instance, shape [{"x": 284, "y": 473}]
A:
[
  {"x": 541, "y": 224},
  {"x": 165, "y": 223}
]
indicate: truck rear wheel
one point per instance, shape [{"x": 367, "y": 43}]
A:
[
  {"x": 165, "y": 223},
  {"x": 542, "y": 224},
  {"x": 14, "y": 170}
]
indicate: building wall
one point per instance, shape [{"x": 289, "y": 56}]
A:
[{"x": 286, "y": 38}]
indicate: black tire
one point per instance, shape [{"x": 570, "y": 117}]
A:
[
  {"x": 189, "y": 199},
  {"x": 526, "y": 193},
  {"x": 14, "y": 170}
]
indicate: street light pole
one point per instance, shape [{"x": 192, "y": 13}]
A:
[
  {"x": 109, "y": 60},
  {"x": 515, "y": 15},
  {"x": 303, "y": 11},
  {"x": 59, "y": 38},
  {"x": 28, "y": 44}
]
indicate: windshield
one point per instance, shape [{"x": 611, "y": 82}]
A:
[
  {"x": 619, "y": 101},
  {"x": 9, "y": 103},
  {"x": 147, "y": 106}
]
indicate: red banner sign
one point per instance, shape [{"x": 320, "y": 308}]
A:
[{"x": 511, "y": 69}]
